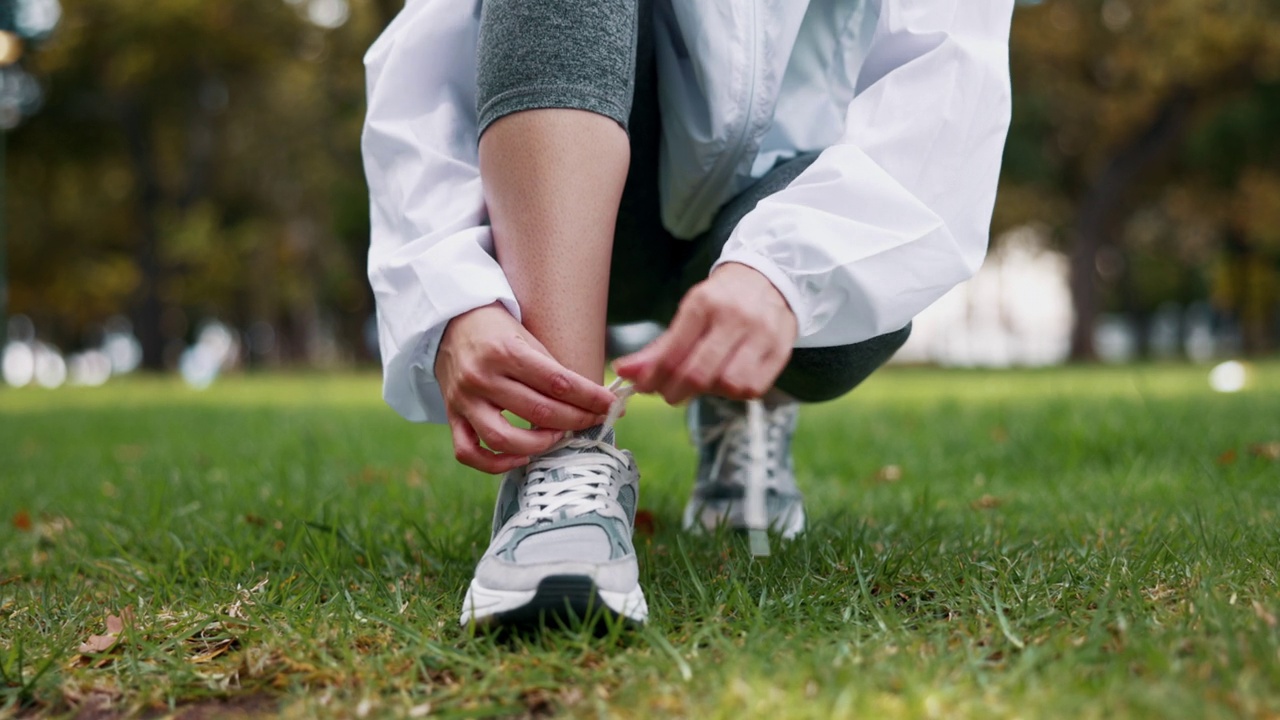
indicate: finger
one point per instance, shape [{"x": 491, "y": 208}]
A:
[
  {"x": 467, "y": 450},
  {"x": 665, "y": 356},
  {"x": 543, "y": 374},
  {"x": 703, "y": 365},
  {"x": 749, "y": 374},
  {"x": 498, "y": 434},
  {"x": 538, "y": 409}
]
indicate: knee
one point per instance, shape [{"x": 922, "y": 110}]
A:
[{"x": 822, "y": 374}]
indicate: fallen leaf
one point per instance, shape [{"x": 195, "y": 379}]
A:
[
  {"x": 1266, "y": 451},
  {"x": 22, "y": 521},
  {"x": 104, "y": 643},
  {"x": 218, "y": 648},
  {"x": 889, "y": 474},
  {"x": 1227, "y": 458},
  {"x": 51, "y": 527},
  {"x": 645, "y": 523},
  {"x": 1263, "y": 614},
  {"x": 987, "y": 502}
]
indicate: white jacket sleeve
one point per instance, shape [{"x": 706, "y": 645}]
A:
[
  {"x": 431, "y": 253},
  {"x": 898, "y": 211}
]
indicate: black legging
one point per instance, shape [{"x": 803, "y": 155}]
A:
[{"x": 598, "y": 55}]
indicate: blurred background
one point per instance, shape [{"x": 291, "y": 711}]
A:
[{"x": 183, "y": 189}]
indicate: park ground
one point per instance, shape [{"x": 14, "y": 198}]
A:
[{"x": 1092, "y": 542}]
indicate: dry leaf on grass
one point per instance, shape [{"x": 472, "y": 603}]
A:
[
  {"x": 237, "y": 608},
  {"x": 987, "y": 502},
  {"x": 889, "y": 474},
  {"x": 1266, "y": 451},
  {"x": 645, "y": 523},
  {"x": 213, "y": 650},
  {"x": 1263, "y": 614},
  {"x": 104, "y": 643},
  {"x": 1228, "y": 457},
  {"x": 22, "y": 521}
]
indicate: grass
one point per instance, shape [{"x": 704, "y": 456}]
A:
[{"x": 1067, "y": 543}]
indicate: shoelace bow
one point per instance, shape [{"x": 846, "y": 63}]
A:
[{"x": 583, "y": 477}]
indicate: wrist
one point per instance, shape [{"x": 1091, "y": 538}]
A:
[{"x": 757, "y": 283}]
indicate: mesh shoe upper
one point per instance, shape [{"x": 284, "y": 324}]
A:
[{"x": 570, "y": 511}]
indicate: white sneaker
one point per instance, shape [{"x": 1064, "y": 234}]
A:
[
  {"x": 746, "y": 479},
  {"x": 561, "y": 547}
]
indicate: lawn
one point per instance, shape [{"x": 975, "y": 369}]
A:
[{"x": 1068, "y": 543}]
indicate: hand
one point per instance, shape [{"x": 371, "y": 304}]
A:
[
  {"x": 731, "y": 336},
  {"x": 488, "y": 362}
]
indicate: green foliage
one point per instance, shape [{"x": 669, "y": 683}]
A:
[
  {"x": 222, "y": 139},
  {"x": 227, "y": 132},
  {"x": 1092, "y": 81},
  {"x": 1071, "y": 543}
]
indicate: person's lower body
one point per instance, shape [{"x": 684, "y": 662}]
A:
[{"x": 569, "y": 150}]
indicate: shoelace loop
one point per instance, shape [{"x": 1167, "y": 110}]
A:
[{"x": 555, "y": 482}]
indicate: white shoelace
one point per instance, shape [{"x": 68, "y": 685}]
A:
[
  {"x": 750, "y": 458},
  {"x": 583, "y": 477}
]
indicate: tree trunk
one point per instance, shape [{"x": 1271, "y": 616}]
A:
[
  {"x": 147, "y": 308},
  {"x": 387, "y": 10},
  {"x": 1099, "y": 211}
]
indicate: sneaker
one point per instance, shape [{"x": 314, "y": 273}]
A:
[
  {"x": 561, "y": 547},
  {"x": 746, "y": 479}
]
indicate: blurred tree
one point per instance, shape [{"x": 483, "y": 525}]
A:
[
  {"x": 198, "y": 160},
  {"x": 1111, "y": 96},
  {"x": 201, "y": 159}
]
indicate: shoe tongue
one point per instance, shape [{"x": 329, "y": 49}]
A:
[{"x": 599, "y": 433}]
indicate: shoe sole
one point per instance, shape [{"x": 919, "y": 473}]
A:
[{"x": 566, "y": 600}]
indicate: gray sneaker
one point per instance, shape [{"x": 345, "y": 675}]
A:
[
  {"x": 561, "y": 545},
  {"x": 746, "y": 479}
]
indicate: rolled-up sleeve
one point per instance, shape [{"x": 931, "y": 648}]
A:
[
  {"x": 431, "y": 251},
  {"x": 897, "y": 212}
]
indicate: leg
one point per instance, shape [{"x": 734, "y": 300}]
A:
[
  {"x": 556, "y": 81},
  {"x": 821, "y": 374},
  {"x": 554, "y": 156}
]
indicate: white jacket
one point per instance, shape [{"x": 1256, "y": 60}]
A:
[{"x": 907, "y": 100}]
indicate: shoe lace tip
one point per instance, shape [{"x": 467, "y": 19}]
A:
[{"x": 759, "y": 540}]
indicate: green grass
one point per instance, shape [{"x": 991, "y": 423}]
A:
[{"x": 1068, "y": 543}]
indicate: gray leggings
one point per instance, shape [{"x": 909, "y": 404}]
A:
[{"x": 598, "y": 55}]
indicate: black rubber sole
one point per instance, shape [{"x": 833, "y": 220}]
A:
[{"x": 562, "y": 602}]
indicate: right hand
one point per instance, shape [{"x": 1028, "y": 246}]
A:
[{"x": 488, "y": 362}]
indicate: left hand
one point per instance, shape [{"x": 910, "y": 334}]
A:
[{"x": 732, "y": 336}]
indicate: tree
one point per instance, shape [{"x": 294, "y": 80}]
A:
[
  {"x": 1108, "y": 96},
  {"x": 198, "y": 159}
]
